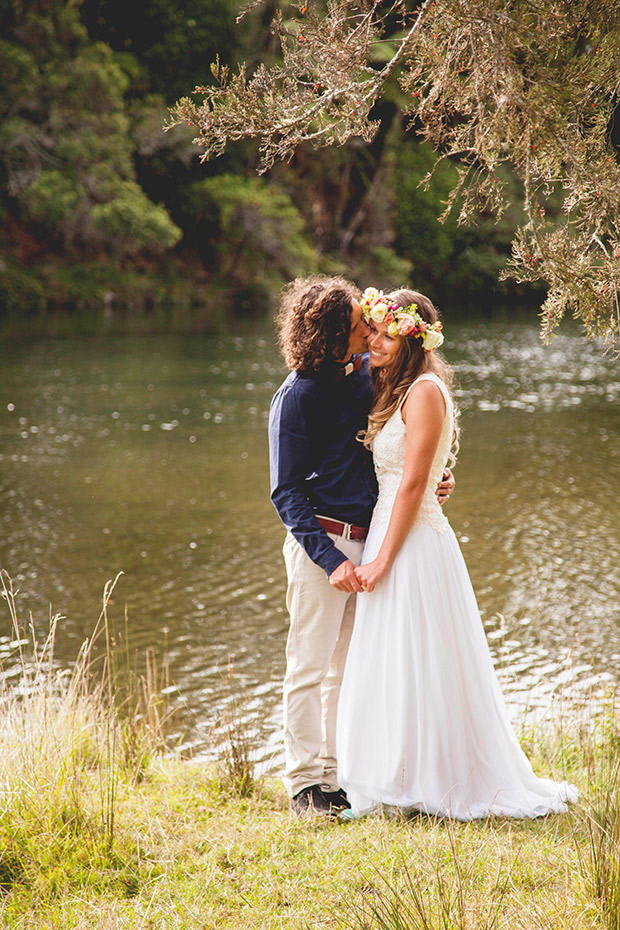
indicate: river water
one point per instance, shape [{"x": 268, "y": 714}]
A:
[{"x": 148, "y": 455}]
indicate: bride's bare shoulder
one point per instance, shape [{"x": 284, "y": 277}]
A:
[{"x": 424, "y": 397}]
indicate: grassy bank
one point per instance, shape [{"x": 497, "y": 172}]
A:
[
  {"x": 99, "y": 827},
  {"x": 58, "y": 297}
]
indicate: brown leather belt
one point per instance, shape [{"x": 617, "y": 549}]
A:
[{"x": 347, "y": 530}]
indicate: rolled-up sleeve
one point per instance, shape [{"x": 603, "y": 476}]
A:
[{"x": 290, "y": 456}]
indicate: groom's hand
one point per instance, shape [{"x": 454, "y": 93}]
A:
[
  {"x": 445, "y": 486},
  {"x": 344, "y": 578}
]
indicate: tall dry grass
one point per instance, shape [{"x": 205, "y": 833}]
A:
[
  {"x": 70, "y": 740},
  {"x": 443, "y": 893},
  {"x": 599, "y": 814},
  {"x": 239, "y": 739}
]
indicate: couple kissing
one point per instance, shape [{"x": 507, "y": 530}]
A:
[{"x": 391, "y": 701}]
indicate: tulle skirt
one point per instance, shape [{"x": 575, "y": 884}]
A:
[{"x": 422, "y": 723}]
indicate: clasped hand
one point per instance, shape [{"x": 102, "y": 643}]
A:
[
  {"x": 352, "y": 579},
  {"x": 370, "y": 574}
]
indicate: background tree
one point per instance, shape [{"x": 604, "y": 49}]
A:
[
  {"x": 96, "y": 202},
  {"x": 94, "y": 196},
  {"x": 165, "y": 46},
  {"x": 489, "y": 83},
  {"x": 258, "y": 236},
  {"x": 64, "y": 140}
]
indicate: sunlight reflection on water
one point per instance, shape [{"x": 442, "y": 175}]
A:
[{"x": 149, "y": 455}]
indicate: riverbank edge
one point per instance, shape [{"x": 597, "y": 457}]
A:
[
  {"x": 188, "y": 852},
  {"x": 60, "y": 298}
]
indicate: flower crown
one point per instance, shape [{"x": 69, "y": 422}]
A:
[{"x": 401, "y": 321}]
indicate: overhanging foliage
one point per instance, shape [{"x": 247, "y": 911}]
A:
[{"x": 533, "y": 85}]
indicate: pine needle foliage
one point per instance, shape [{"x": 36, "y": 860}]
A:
[{"x": 487, "y": 82}]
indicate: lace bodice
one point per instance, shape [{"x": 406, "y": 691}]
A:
[{"x": 389, "y": 455}]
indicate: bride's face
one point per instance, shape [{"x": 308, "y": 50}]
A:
[{"x": 383, "y": 347}]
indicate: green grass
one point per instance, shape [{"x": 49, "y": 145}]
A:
[
  {"x": 101, "y": 828},
  {"x": 186, "y": 855}
]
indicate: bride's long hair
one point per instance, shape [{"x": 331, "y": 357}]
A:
[{"x": 411, "y": 361}]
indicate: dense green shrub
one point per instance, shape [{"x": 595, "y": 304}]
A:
[
  {"x": 132, "y": 222},
  {"x": 260, "y": 231},
  {"x": 449, "y": 259},
  {"x": 21, "y": 292},
  {"x": 67, "y": 148},
  {"x": 52, "y": 198},
  {"x": 172, "y": 43}
]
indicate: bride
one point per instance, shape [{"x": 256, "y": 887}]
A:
[{"x": 422, "y": 723}]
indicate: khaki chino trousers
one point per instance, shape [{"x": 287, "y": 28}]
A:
[{"x": 321, "y": 623}]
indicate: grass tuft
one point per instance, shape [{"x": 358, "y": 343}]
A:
[
  {"x": 239, "y": 738},
  {"x": 599, "y": 816},
  {"x": 442, "y": 895},
  {"x": 70, "y": 742}
]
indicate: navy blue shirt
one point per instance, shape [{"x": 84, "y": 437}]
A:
[{"x": 317, "y": 464}]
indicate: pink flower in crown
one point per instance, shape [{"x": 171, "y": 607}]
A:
[
  {"x": 423, "y": 326},
  {"x": 406, "y": 325},
  {"x": 390, "y": 317}
]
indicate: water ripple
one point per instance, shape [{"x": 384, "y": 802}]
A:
[{"x": 150, "y": 456}]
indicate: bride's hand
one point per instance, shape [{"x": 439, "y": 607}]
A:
[{"x": 370, "y": 574}]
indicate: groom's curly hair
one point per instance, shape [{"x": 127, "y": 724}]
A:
[{"x": 314, "y": 322}]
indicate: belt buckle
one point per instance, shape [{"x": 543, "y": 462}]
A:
[{"x": 347, "y": 531}]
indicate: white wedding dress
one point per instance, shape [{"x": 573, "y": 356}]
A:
[{"x": 421, "y": 721}]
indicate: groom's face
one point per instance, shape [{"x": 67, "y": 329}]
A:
[{"x": 358, "y": 337}]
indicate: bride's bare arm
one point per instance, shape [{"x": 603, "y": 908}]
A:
[{"x": 423, "y": 413}]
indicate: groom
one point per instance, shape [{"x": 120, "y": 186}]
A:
[{"x": 323, "y": 487}]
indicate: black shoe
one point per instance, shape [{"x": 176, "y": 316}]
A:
[
  {"x": 311, "y": 800},
  {"x": 337, "y": 799}
]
